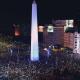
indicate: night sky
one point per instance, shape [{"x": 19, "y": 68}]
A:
[{"x": 19, "y": 11}]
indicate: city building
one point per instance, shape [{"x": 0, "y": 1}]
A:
[
  {"x": 54, "y": 34},
  {"x": 40, "y": 35},
  {"x": 68, "y": 34},
  {"x": 69, "y": 40},
  {"x": 76, "y": 42}
]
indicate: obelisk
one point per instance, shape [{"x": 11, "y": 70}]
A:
[{"x": 34, "y": 34}]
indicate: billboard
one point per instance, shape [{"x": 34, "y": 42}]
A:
[{"x": 50, "y": 28}]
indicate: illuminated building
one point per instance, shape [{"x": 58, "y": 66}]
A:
[
  {"x": 76, "y": 42},
  {"x": 34, "y": 34},
  {"x": 40, "y": 34},
  {"x": 69, "y": 40},
  {"x": 50, "y": 28},
  {"x": 69, "y": 23},
  {"x": 56, "y": 34},
  {"x": 45, "y": 37},
  {"x": 69, "y": 36},
  {"x": 59, "y": 32},
  {"x": 53, "y": 35}
]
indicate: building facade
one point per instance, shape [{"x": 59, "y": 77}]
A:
[
  {"x": 76, "y": 42},
  {"x": 58, "y": 35},
  {"x": 69, "y": 40},
  {"x": 54, "y": 35}
]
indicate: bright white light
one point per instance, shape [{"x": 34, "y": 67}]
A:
[
  {"x": 49, "y": 46},
  {"x": 53, "y": 46},
  {"x": 45, "y": 49},
  {"x": 17, "y": 33},
  {"x": 77, "y": 43},
  {"x": 50, "y": 28},
  {"x": 34, "y": 34},
  {"x": 70, "y": 23},
  {"x": 66, "y": 26},
  {"x": 41, "y": 28}
]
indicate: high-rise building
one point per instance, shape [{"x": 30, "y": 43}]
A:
[
  {"x": 40, "y": 34},
  {"x": 34, "y": 34},
  {"x": 76, "y": 42},
  {"x": 68, "y": 24},
  {"x": 69, "y": 40},
  {"x": 53, "y": 35},
  {"x": 69, "y": 36},
  {"x": 56, "y": 34}
]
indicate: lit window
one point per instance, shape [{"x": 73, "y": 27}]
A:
[
  {"x": 17, "y": 33},
  {"x": 41, "y": 28},
  {"x": 50, "y": 28},
  {"x": 70, "y": 23}
]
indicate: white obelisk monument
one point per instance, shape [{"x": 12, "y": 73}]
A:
[{"x": 34, "y": 34}]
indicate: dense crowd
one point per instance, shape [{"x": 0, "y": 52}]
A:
[{"x": 59, "y": 66}]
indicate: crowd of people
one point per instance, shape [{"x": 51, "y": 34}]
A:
[{"x": 56, "y": 66}]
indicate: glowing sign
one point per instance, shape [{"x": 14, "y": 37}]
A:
[
  {"x": 70, "y": 23},
  {"x": 41, "y": 28},
  {"x": 50, "y": 28},
  {"x": 17, "y": 31}
]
